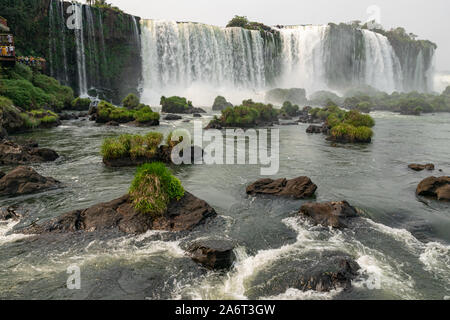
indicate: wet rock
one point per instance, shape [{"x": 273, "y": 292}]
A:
[
  {"x": 173, "y": 117},
  {"x": 181, "y": 215},
  {"x": 13, "y": 153},
  {"x": 9, "y": 213},
  {"x": 421, "y": 167},
  {"x": 299, "y": 188},
  {"x": 24, "y": 180},
  {"x": 314, "y": 129},
  {"x": 68, "y": 116},
  {"x": 329, "y": 214},
  {"x": 434, "y": 187},
  {"x": 197, "y": 115},
  {"x": 195, "y": 110},
  {"x": 213, "y": 254},
  {"x": 112, "y": 124},
  {"x": 2, "y": 174}
]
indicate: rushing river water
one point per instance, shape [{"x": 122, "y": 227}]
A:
[{"x": 402, "y": 243}]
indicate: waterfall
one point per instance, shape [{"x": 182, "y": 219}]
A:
[
  {"x": 382, "y": 66},
  {"x": 303, "y": 57},
  {"x": 80, "y": 51},
  {"x": 57, "y": 42},
  {"x": 94, "y": 61},
  {"x": 182, "y": 57}
]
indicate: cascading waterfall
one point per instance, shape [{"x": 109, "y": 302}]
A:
[
  {"x": 94, "y": 61},
  {"x": 382, "y": 66},
  {"x": 183, "y": 56},
  {"x": 81, "y": 58},
  {"x": 57, "y": 42}
]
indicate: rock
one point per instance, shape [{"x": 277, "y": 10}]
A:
[
  {"x": 3, "y": 133},
  {"x": 173, "y": 117},
  {"x": 314, "y": 129},
  {"x": 299, "y": 188},
  {"x": 2, "y": 174},
  {"x": 13, "y": 153},
  {"x": 195, "y": 110},
  {"x": 112, "y": 124},
  {"x": 329, "y": 214},
  {"x": 213, "y": 254},
  {"x": 421, "y": 167},
  {"x": 24, "y": 180},
  {"x": 435, "y": 187},
  {"x": 181, "y": 215},
  {"x": 220, "y": 103},
  {"x": 284, "y": 117},
  {"x": 197, "y": 115},
  {"x": 8, "y": 214},
  {"x": 68, "y": 116}
]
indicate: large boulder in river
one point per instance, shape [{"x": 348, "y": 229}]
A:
[
  {"x": 435, "y": 187},
  {"x": 173, "y": 117},
  {"x": 13, "y": 153},
  {"x": 329, "y": 214},
  {"x": 421, "y": 167},
  {"x": 7, "y": 214},
  {"x": 120, "y": 213},
  {"x": 299, "y": 188},
  {"x": 24, "y": 180},
  {"x": 212, "y": 253}
]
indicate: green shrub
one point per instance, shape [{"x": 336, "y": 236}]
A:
[
  {"x": 131, "y": 101},
  {"x": 355, "y": 118},
  {"x": 63, "y": 95},
  {"x": 153, "y": 188},
  {"x": 81, "y": 103},
  {"x": 348, "y": 132},
  {"x": 290, "y": 109},
  {"x": 175, "y": 104},
  {"x": 145, "y": 114},
  {"x": 133, "y": 146}
]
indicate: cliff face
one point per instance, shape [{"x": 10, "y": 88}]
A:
[{"x": 99, "y": 54}]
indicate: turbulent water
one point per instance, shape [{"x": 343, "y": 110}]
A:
[
  {"x": 202, "y": 61},
  {"x": 402, "y": 242}
]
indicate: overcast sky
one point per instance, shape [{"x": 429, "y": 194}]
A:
[{"x": 429, "y": 19}]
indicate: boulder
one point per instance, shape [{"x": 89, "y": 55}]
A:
[
  {"x": 435, "y": 187},
  {"x": 299, "y": 188},
  {"x": 197, "y": 115},
  {"x": 2, "y": 174},
  {"x": 112, "y": 124},
  {"x": 24, "y": 180},
  {"x": 220, "y": 103},
  {"x": 213, "y": 254},
  {"x": 421, "y": 167},
  {"x": 185, "y": 214},
  {"x": 173, "y": 117},
  {"x": 329, "y": 214},
  {"x": 9, "y": 213},
  {"x": 13, "y": 153},
  {"x": 314, "y": 129}
]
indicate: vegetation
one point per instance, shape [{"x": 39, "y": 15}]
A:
[
  {"x": 132, "y": 146},
  {"x": 131, "y": 101},
  {"x": 290, "y": 109},
  {"x": 81, "y": 103},
  {"x": 221, "y": 103},
  {"x": 279, "y": 96},
  {"x": 143, "y": 114},
  {"x": 175, "y": 104},
  {"x": 153, "y": 188},
  {"x": 243, "y": 22},
  {"x": 39, "y": 118},
  {"x": 246, "y": 115},
  {"x": 31, "y": 91}
]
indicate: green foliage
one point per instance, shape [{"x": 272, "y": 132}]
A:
[
  {"x": 355, "y": 118},
  {"x": 293, "y": 95},
  {"x": 133, "y": 146},
  {"x": 175, "y": 104},
  {"x": 145, "y": 114},
  {"x": 290, "y": 109},
  {"x": 61, "y": 95},
  {"x": 350, "y": 133},
  {"x": 153, "y": 188},
  {"x": 131, "y": 101},
  {"x": 81, "y": 103},
  {"x": 243, "y": 22},
  {"x": 107, "y": 112}
]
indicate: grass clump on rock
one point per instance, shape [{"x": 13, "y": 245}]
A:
[
  {"x": 153, "y": 188},
  {"x": 81, "y": 103},
  {"x": 132, "y": 146},
  {"x": 107, "y": 112},
  {"x": 350, "y": 126},
  {"x": 175, "y": 104}
]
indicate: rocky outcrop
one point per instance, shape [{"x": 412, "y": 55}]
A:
[
  {"x": 299, "y": 188},
  {"x": 13, "y": 153},
  {"x": 24, "y": 180},
  {"x": 318, "y": 129},
  {"x": 213, "y": 254},
  {"x": 220, "y": 103},
  {"x": 7, "y": 214},
  {"x": 329, "y": 214},
  {"x": 438, "y": 188},
  {"x": 172, "y": 117},
  {"x": 421, "y": 167},
  {"x": 185, "y": 214}
]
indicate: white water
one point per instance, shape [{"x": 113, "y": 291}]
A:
[
  {"x": 200, "y": 61},
  {"x": 81, "y": 59}
]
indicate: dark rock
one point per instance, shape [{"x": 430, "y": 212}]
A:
[
  {"x": 8, "y": 214},
  {"x": 68, "y": 116},
  {"x": 197, "y": 115},
  {"x": 181, "y": 215},
  {"x": 299, "y": 188},
  {"x": 24, "y": 180},
  {"x": 13, "y": 153},
  {"x": 421, "y": 167},
  {"x": 173, "y": 117},
  {"x": 329, "y": 214},
  {"x": 195, "y": 110},
  {"x": 2, "y": 174},
  {"x": 220, "y": 103},
  {"x": 112, "y": 124},
  {"x": 314, "y": 129},
  {"x": 213, "y": 254},
  {"x": 284, "y": 117},
  {"x": 435, "y": 187},
  {"x": 3, "y": 133}
]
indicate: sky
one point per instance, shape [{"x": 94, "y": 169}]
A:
[{"x": 429, "y": 19}]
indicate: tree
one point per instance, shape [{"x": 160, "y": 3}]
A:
[{"x": 238, "y": 21}]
